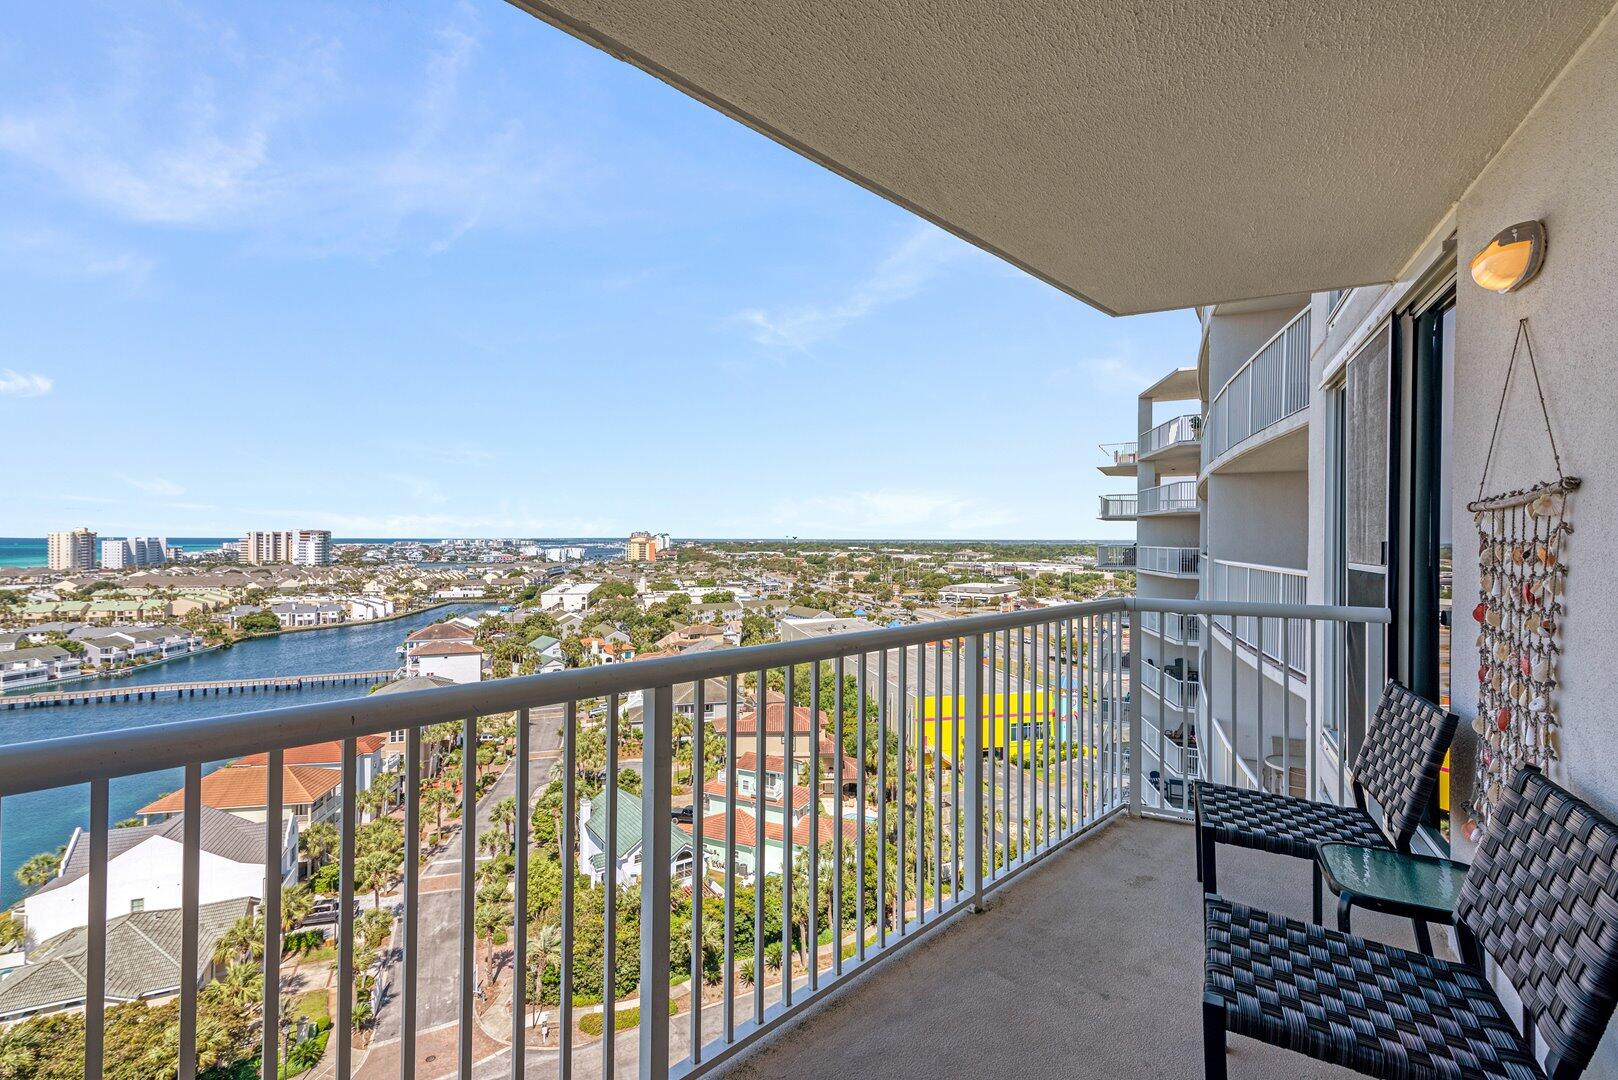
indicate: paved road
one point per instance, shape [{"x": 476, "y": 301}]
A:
[{"x": 438, "y": 977}]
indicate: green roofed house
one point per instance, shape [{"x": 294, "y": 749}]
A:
[
  {"x": 593, "y": 841},
  {"x": 143, "y": 960},
  {"x": 549, "y": 651}
]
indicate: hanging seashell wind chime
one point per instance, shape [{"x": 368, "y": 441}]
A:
[{"x": 1522, "y": 542}]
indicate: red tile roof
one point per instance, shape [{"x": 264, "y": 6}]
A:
[
  {"x": 448, "y": 648},
  {"x": 323, "y": 753},
  {"x": 443, "y": 631},
  {"x": 713, "y": 828},
  {"x": 241, "y": 787},
  {"x": 774, "y": 720}
]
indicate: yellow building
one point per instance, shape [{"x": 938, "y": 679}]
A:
[{"x": 642, "y": 547}]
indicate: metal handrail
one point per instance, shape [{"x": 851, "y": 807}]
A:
[
  {"x": 1176, "y": 496},
  {"x": 77, "y": 759},
  {"x": 1270, "y": 386},
  {"x": 1181, "y": 429},
  {"x": 1182, "y": 561}
]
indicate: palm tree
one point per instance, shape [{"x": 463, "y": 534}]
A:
[
  {"x": 242, "y": 942},
  {"x": 39, "y": 869},
  {"x": 296, "y": 906},
  {"x": 374, "y": 872},
  {"x": 318, "y": 842},
  {"x": 504, "y": 814}
]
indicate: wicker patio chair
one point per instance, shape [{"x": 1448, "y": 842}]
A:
[
  {"x": 1397, "y": 765},
  {"x": 1541, "y": 901}
]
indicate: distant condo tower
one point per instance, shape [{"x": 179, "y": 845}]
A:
[
  {"x": 302, "y": 547},
  {"x": 135, "y": 551},
  {"x": 642, "y": 547},
  {"x": 312, "y": 548},
  {"x": 75, "y": 550}
]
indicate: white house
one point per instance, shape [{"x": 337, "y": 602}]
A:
[
  {"x": 144, "y": 870},
  {"x": 453, "y": 660},
  {"x": 593, "y": 841},
  {"x": 570, "y": 597},
  {"x": 549, "y": 651}
]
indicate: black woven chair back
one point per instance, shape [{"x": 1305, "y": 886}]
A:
[
  {"x": 1399, "y": 760},
  {"x": 1541, "y": 898}
]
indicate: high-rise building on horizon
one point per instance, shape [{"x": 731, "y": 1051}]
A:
[
  {"x": 312, "y": 547},
  {"x": 642, "y": 547},
  {"x": 134, "y": 551},
  {"x": 72, "y": 550},
  {"x": 260, "y": 548}
]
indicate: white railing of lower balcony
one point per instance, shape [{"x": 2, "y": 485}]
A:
[
  {"x": 1177, "y": 497},
  {"x": 1178, "y": 561},
  {"x": 1118, "y": 507},
  {"x": 1174, "y": 629},
  {"x": 1120, "y": 454},
  {"x": 1181, "y": 431},
  {"x": 901, "y": 818},
  {"x": 1115, "y": 556},
  {"x": 1255, "y": 583},
  {"x": 1271, "y": 386}
]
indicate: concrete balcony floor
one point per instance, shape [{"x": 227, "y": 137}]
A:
[{"x": 1091, "y": 965}]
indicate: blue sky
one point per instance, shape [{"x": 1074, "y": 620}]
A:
[{"x": 442, "y": 270}]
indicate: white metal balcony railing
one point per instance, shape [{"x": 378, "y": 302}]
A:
[
  {"x": 1254, "y": 583},
  {"x": 1115, "y": 556},
  {"x": 955, "y": 811},
  {"x": 1118, "y": 507},
  {"x": 1176, "y": 692},
  {"x": 1175, "y": 497},
  {"x": 1120, "y": 454},
  {"x": 1181, "y": 431},
  {"x": 1271, "y": 386},
  {"x": 1174, "y": 561},
  {"x": 1172, "y": 628}
]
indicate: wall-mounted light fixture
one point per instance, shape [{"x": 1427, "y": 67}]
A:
[{"x": 1512, "y": 258}]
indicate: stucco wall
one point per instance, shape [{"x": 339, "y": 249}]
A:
[
  {"x": 1259, "y": 518},
  {"x": 1233, "y": 339},
  {"x": 1561, "y": 167}
]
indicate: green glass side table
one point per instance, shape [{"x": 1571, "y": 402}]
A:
[{"x": 1420, "y": 888}]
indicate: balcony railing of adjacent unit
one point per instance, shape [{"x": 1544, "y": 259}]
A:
[
  {"x": 1176, "y": 497},
  {"x": 1120, "y": 454},
  {"x": 1118, "y": 507},
  {"x": 1175, "y": 561},
  {"x": 1255, "y": 583},
  {"x": 1039, "y": 759},
  {"x": 1175, "y": 691},
  {"x": 1174, "y": 629},
  {"x": 1181, "y": 431},
  {"x": 1267, "y": 389},
  {"x": 1115, "y": 556}
]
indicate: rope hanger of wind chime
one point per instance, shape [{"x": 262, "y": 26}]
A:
[{"x": 1522, "y": 540}]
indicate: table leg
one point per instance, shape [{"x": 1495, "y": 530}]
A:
[
  {"x": 1345, "y": 904},
  {"x": 1424, "y": 942}
]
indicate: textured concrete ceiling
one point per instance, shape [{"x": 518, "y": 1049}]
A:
[{"x": 1143, "y": 155}]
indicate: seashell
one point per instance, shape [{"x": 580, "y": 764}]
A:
[
  {"x": 1492, "y": 618},
  {"x": 1541, "y": 669},
  {"x": 1523, "y": 663},
  {"x": 1502, "y": 719},
  {"x": 1532, "y": 625},
  {"x": 1530, "y": 590},
  {"x": 1478, "y": 725},
  {"x": 1542, "y": 554},
  {"x": 1494, "y": 791},
  {"x": 1480, "y": 611},
  {"x": 1502, "y": 651},
  {"x": 1497, "y": 680},
  {"x": 1545, "y": 505},
  {"x": 1539, "y": 703},
  {"x": 1518, "y": 554}
]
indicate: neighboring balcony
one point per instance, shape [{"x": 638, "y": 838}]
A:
[
  {"x": 1183, "y": 434},
  {"x": 1176, "y": 562},
  {"x": 1115, "y": 556},
  {"x": 1252, "y": 408},
  {"x": 1119, "y": 507},
  {"x": 1172, "y": 628},
  {"x": 1282, "y": 642},
  {"x": 1176, "y": 689},
  {"x": 1120, "y": 459},
  {"x": 1177, "y": 497}
]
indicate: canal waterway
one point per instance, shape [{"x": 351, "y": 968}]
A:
[{"x": 43, "y": 821}]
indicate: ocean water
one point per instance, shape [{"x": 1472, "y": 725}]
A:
[
  {"x": 32, "y": 550},
  {"x": 44, "y": 820}
]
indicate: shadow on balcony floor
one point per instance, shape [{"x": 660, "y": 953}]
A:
[{"x": 1090, "y": 966}]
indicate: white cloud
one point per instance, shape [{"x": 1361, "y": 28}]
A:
[
  {"x": 24, "y": 383},
  {"x": 241, "y": 143},
  {"x": 154, "y": 485},
  {"x": 902, "y": 273},
  {"x": 57, "y": 254},
  {"x": 887, "y": 512},
  {"x": 1115, "y": 370}
]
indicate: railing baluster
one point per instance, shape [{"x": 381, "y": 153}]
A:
[
  {"x": 469, "y": 840},
  {"x": 519, "y": 907},
  {"x": 570, "y": 841},
  {"x": 729, "y": 974},
  {"x": 190, "y": 884},
  {"x": 274, "y": 823},
  {"x": 760, "y": 843},
  {"x": 921, "y": 795},
  {"x": 95, "y": 956},
  {"x": 859, "y": 799},
  {"x": 1003, "y": 733},
  {"x": 899, "y": 807},
  {"x": 884, "y": 719},
  {"x": 938, "y": 777},
  {"x": 814, "y": 827},
  {"x": 973, "y": 754},
  {"x": 788, "y": 782},
  {"x": 609, "y": 968},
  {"x": 699, "y": 861},
  {"x": 657, "y": 856},
  {"x": 408, "y": 998},
  {"x": 837, "y": 834},
  {"x": 956, "y": 754}
]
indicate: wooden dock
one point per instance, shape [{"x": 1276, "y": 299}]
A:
[{"x": 217, "y": 687}]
